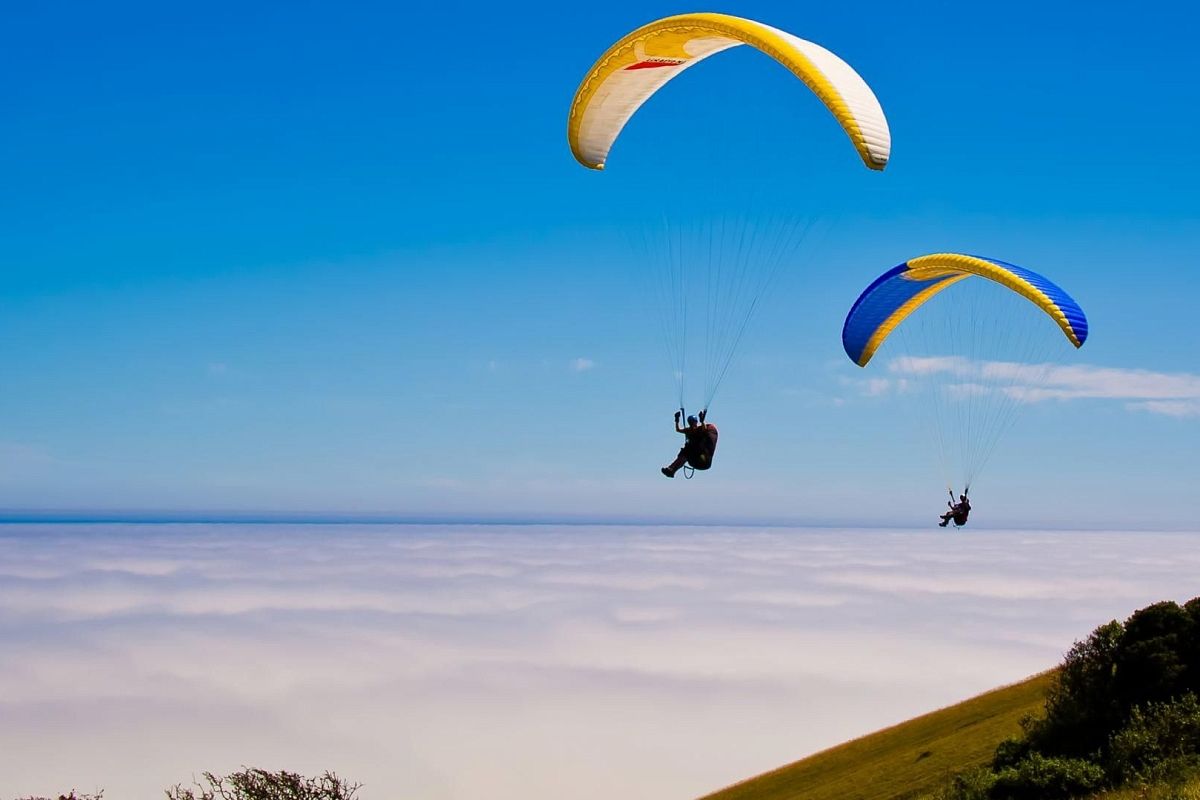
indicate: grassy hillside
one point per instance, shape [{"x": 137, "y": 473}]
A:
[
  {"x": 1189, "y": 790},
  {"x": 905, "y": 760}
]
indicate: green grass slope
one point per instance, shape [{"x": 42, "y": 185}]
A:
[
  {"x": 905, "y": 760},
  {"x": 1188, "y": 790}
]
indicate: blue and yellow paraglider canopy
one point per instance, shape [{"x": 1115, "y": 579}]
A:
[{"x": 900, "y": 291}]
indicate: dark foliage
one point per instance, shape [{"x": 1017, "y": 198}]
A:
[
  {"x": 1011, "y": 751},
  {"x": 251, "y": 784},
  {"x": 1191, "y": 648},
  {"x": 1081, "y": 710},
  {"x": 1039, "y": 778},
  {"x": 1161, "y": 734},
  {"x": 1119, "y": 668},
  {"x": 1151, "y": 664},
  {"x": 1123, "y": 708},
  {"x": 258, "y": 784},
  {"x": 974, "y": 784}
]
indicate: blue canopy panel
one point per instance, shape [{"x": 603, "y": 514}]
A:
[
  {"x": 1055, "y": 294},
  {"x": 895, "y": 294}
]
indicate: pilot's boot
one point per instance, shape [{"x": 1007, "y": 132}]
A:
[{"x": 675, "y": 465}]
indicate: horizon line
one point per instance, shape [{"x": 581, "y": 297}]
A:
[{"x": 230, "y": 517}]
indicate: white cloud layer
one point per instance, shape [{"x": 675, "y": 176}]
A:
[
  {"x": 530, "y": 662},
  {"x": 1174, "y": 394}
]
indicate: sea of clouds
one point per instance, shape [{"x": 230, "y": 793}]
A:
[{"x": 435, "y": 662}]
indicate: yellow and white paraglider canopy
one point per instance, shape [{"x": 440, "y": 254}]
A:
[{"x": 643, "y": 61}]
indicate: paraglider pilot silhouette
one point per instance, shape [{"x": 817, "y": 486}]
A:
[
  {"x": 699, "y": 446},
  {"x": 958, "y": 345},
  {"x": 958, "y": 511}
]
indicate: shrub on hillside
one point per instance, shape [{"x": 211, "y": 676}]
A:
[
  {"x": 1014, "y": 749},
  {"x": 1080, "y": 709},
  {"x": 1153, "y": 658},
  {"x": 1123, "y": 708},
  {"x": 258, "y": 784},
  {"x": 251, "y": 784},
  {"x": 1041, "y": 778},
  {"x": 1162, "y": 738},
  {"x": 974, "y": 784}
]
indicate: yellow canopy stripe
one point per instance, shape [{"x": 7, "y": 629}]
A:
[
  {"x": 1006, "y": 276},
  {"x": 643, "y": 61},
  {"x": 949, "y": 268},
  {"x": 902, "y": 313}
]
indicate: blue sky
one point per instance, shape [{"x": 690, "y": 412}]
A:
[{"x": 318, "y": 258}]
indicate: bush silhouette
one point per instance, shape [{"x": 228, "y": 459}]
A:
[{"x": 259, "y": 784}]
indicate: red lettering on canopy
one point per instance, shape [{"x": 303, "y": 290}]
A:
[{"x": 654, "y": 63}]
